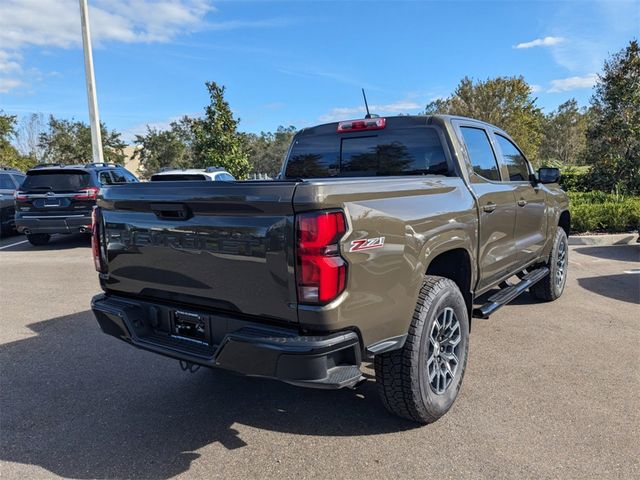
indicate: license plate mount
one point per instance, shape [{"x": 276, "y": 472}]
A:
[{"x": 190, "y": 326}]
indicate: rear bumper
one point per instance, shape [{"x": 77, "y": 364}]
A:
[
  {"x": 44, "y": 224},
  {"x": 330, "y": 361}
]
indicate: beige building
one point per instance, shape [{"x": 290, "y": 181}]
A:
[{"x": 131, "y": 164}]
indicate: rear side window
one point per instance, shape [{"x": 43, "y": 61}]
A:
[
  {"x": 513, "y": 159},
  {"x": 6, "y": 183},
  {"x": 57, "y": 180},
  {"x": 480, "y": 152},
  {"x": 400, "y": 151},
  {"x": 105, "y": 178}
]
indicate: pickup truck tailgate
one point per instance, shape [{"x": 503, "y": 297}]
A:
[{"x": 219, "y": 245}]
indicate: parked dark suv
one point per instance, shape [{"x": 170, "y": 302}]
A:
[
  {"x": 60, "y": 198},
  {"x": 10, "y": 181}
]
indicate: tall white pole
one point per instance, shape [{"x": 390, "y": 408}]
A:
[{"x": 94, "y": 118}]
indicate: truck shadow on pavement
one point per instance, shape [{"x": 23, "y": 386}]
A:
[
  {"x": 624, "y": 287},
  {"x": 81, "y": 404},
  {"x": 624, "y": 253}
]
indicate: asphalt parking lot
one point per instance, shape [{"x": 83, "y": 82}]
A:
[{"x": 551, "y": 391}]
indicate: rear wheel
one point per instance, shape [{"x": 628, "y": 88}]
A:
[
  {"x": 38, "y": 238},
  {"x": 552, "y": 286},
  {"x": 421, "y": 381}
]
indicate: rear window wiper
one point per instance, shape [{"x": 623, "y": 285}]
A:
[{"x": 40, "y": 188}]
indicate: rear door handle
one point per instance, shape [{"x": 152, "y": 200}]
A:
[
  {"x": 489, "y": 207},
  {"x": 522, "y": 202}
]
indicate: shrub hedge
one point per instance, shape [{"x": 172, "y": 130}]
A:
[{"x": 603, "y": 212}]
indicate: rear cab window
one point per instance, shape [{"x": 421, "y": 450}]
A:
[
  {"x": 57, "y": 180},
  {"x": 406, "y": 148}
]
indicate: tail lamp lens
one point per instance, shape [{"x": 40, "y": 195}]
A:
[
  {"x": 321, "y": 272},
  {"x": 87, "y": 194},
  {"x": 95, "y": 240},
  {"x": 19, "y": 196}
]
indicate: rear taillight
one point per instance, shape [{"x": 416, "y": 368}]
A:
[
  {"x": 359, "y": 125},
  {"x": 87, "y": 194},
  {"x": 95, "y": 240},
  {"x": 20, "y": 196},
  {"x": 321, "y": 272}
]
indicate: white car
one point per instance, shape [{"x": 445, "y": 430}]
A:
[{"x": 209, "y": 174}]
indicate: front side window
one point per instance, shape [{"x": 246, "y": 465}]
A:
[
  {"x": 118, "y": 177},
  {"x": 513, "y": 159},
  {"x": 131, "y": 178},
  {"x": 480, "y": 153}
]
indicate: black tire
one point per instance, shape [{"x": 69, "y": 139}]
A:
[
  {"x": 38, "y": 238},
  {"x": 551, "y": 287},
  {"x": 403, "y": 376}
]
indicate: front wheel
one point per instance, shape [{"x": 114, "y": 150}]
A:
[
  {"x": 38, "y": 239},
  {"x": 551, "y": 287},
  {"x": 421, "y": 381}
]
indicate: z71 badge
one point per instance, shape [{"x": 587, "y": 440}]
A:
[{"x": 367, "y": 244}]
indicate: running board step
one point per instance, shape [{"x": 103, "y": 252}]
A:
[{"x": 505, "y": 295}]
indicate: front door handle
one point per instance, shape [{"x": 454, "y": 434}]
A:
[
  {"x": 522, "y": 202},
  {"x": 489, "y": 207}
]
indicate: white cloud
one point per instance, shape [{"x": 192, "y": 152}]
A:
[
  {"x": 535, "y": 88},
  {"x": 541, "y": 42},
  {"x": 572, "y": 83},
  {"x": 56, "y": 24},
  {"x": 346, "y": 113},
  {"x": 7, "y": 84}
]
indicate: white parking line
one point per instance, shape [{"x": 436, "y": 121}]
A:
[{"x": 14, "y": 244}]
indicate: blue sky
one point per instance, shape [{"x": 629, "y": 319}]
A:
[{"x": 298, "y": 62}]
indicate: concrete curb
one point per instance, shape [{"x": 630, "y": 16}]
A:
[{"x": 603, "y": 240}]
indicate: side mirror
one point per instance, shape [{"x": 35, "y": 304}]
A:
[{"x": 549, "y": 175}]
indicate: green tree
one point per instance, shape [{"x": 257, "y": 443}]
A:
[
  {"x": 166, "y": 148},
  {"x": 9, "y": 155},
  {"x": 216, "y": 138},
  {"x": 267, "y": 150},
  {"x": 564, "y": 137},
  {"x": 613, "y": 135},
  {"x": 506, "y": 102},
  {"x": 69, "y": 142}
]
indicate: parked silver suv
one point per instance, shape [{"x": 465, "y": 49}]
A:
[{"x": 215, "y": 174}]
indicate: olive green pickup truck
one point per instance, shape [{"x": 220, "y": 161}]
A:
[{"x": 380, "y": 240}]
